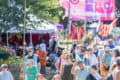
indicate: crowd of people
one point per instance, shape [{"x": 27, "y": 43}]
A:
[{"x": 82, "y": 62}]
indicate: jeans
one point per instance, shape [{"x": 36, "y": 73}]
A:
[{"x": 53, "y": 58}]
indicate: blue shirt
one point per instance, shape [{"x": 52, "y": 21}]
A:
[
  {"x": 82, "y": 74},
  {"x": 111, "y": 46},
  {"x": 6, "y": 75},
  {"x": 107, "y": 59}
]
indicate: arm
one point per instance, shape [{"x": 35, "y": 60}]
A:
[
  {"x": 57, "y": 64},
  {"x": 35, "y": 71},
  {"x": 62, "y": 70},
  {"x": 73, "y": 70},
  {"x": 112, "y": 67}
]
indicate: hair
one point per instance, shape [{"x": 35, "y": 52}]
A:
[
  {"x": 118, "y": 63},
  {"x": 69, "y": 56},
  {"x": 40, "y": 75},
  {"x": 117, "y": 52},
  {"x": 30, "y": 61},
  {"x": 64, "y": 52},
  {"x": 56, "y": 76}
]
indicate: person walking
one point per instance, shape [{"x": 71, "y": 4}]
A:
[
  {"x": 31, "y": 71},
  {"x": 5, "y": 74},
  {"x": 42, "y": 55},
  {"x": 61, "y": 62},
  {"x": 34, "y": 57},
  {"x": 116, "y": 71},
  {"x": 90, "y": 58},
  {"x": 107, "y": 57},
  {"x": 79, "y": 71},
  {"x": 43, "y": 46},
  {"x": 66, "y": 70}
]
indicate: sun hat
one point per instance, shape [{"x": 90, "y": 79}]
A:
[{"x": 4, "y": 66}]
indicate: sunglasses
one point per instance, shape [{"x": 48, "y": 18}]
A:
[{"x": 5, "y": 67}]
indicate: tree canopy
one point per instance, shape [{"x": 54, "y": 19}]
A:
[
  {"x": 46, "y": 9},
  {"x": 11, "y": 13}
]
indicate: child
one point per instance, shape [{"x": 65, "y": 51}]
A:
[{"x": 31, "y": 71}]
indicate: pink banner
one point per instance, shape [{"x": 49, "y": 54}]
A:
[
  {"x": 89, "y": 9},
  {"x": 106, "y": 9}
]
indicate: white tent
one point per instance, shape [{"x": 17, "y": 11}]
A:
[
  {"x": 13, "y": 30},
  {"x": 37, "y": 25},
  {"x": 41, "y": 28}
]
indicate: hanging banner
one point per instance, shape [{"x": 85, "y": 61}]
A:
[
  {"x": 106, "y": 9},
  {"x": 89, "y": 9},
  {"x": 75, "y": 9},
  {"x": 106, "y": 29}
]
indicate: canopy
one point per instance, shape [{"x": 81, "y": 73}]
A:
[
  {"x": 13, "y": 30},
  {"x": 43, "y": 27},
  {"x": 37, "y": 25}
]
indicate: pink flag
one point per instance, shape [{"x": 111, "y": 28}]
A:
[
  {"x": 106, "y": 9},
  {"x": 89, "y": 9}
]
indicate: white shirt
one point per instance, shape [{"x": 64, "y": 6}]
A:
[
  {"x": 92, "y": 58},
  {"x": 43, "y": 46},
  {"x": 6, "y": 75}
]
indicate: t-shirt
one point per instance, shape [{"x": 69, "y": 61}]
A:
[
  {"x": 111, "y": 46},
  {"x": 31, "y": 73},
  {"x": 6, "y": 75},
  {"x": 43, "y": 46},
  {"x": 107, "y": 59},
  {"x": 42, "y": 56},
  {"x": 31, "y": 57},
  {"x": 82, "y": 74},
  {"x": 34, "y": 57},
  {"x": 92, "y": 59}
]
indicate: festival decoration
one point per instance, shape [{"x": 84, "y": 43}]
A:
[{"x": 89, "y": 9}]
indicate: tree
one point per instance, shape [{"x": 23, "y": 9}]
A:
[
  {"x": 46, "y": 9},
  {"x": 11, "y": 13}
]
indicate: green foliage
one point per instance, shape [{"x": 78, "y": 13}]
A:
[
  {"x": 46, "y": 9},
  {"x": 11, "y": 16},
  {"x": 79, "y": 23},
  {"x": 3, "y": 49}
]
